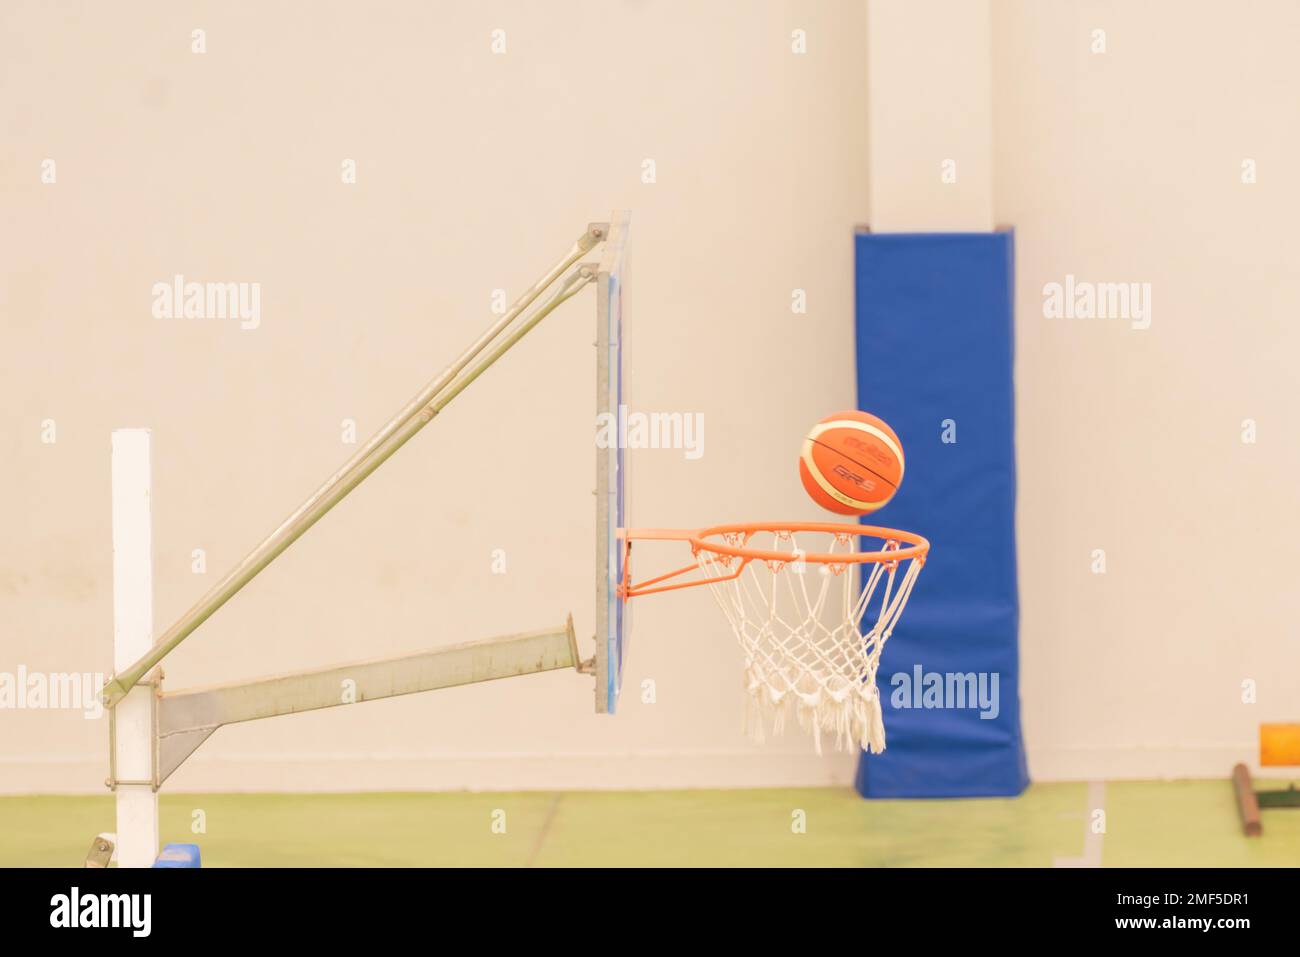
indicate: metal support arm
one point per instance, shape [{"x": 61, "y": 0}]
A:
[
  {"x": 413, "y": 416},
  {"x": 185, "y": 719}
]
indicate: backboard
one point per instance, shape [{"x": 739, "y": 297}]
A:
[{"x": 612, "y": 393}]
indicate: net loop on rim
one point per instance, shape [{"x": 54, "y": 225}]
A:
[{"x": 812, "y": 630}]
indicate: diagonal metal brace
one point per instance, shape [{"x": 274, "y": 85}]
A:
[
  {"x": 188, "y": 718},
  {"x": 409, "y": 420}
]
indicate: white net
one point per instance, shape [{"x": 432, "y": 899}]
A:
[{"x": 811, "y": 631}]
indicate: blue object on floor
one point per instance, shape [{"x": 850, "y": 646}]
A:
[
  {"x": 934, "y": 351},
  {"x": 179, "y": 855}
]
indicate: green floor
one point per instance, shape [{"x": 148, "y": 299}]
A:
[{"x": 1181, "y": 823}]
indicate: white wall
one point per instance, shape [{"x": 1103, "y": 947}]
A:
[
  {"x": 930, "y": 116},
  {"x": 475, "y": 170},
  {"x": 1126, "y": 167}
]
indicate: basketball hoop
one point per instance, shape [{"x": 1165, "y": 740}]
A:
[{"x": 811, "y": 630}]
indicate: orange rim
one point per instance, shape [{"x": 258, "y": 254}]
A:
[
  {"x": 891, "y": 554},
  {"x": 917, "y": 546}
]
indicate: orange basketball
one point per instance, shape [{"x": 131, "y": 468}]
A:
[{"x": 851, "y": 463}]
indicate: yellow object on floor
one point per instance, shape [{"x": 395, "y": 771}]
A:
[{"x": 1279, "y": 745}]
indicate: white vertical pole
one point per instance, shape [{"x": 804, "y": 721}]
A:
[
  {"x": 137, "y": 804},
  {"x": 930, "y": 115}
]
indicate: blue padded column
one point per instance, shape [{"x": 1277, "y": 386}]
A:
[{"x": 934, "y": 351}]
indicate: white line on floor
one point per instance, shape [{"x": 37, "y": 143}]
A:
[{"x": 1092, "y": 839}]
